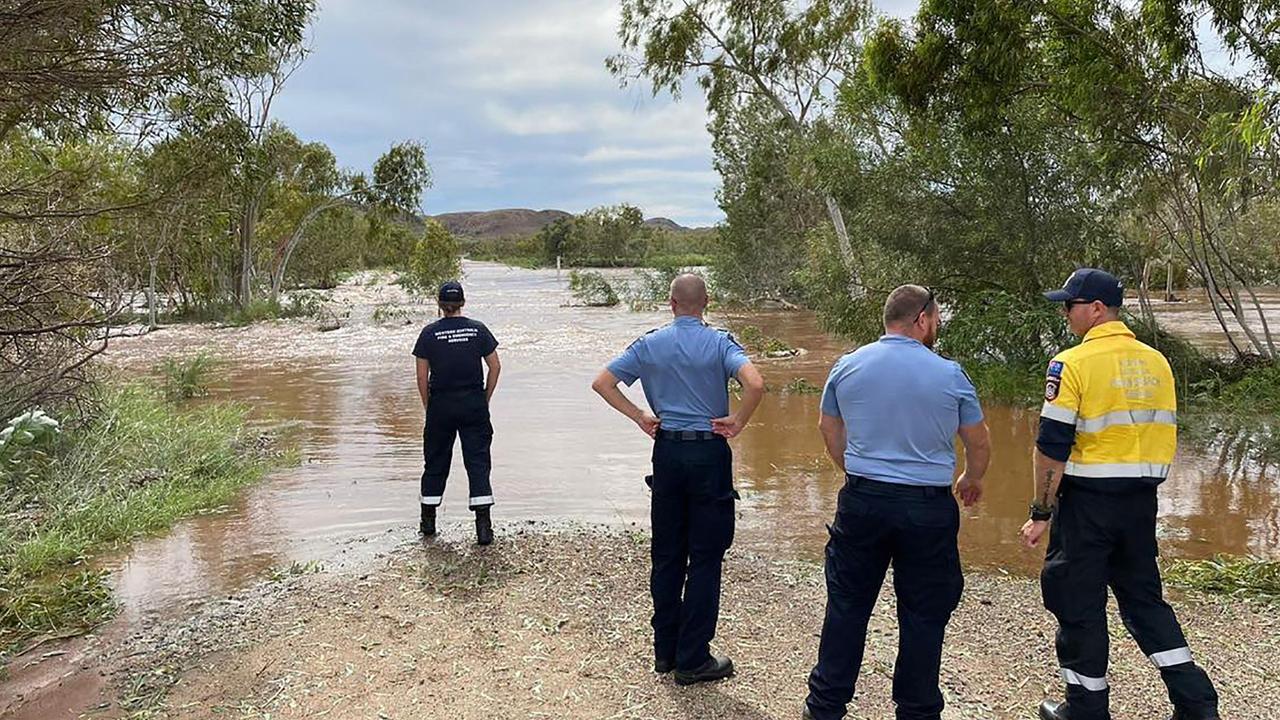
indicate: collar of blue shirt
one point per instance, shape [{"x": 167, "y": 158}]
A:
[
  {"x": 688, "y": 320},
  {"x": 895, "y": 338}
]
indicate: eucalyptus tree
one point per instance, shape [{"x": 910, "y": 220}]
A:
[{"x": 789, "y": 56}]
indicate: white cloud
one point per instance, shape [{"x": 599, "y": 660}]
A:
[
  {"x": 661, "y": 121},
  {"x": 617, "y": 153},
  {"x": 513, "y": 100},
  {"x": 656, "y": 176}
]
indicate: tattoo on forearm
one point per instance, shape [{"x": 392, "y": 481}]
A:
[{"x": 1046, "y": 493}]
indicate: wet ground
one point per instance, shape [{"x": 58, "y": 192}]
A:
[{"x": 559, "y": 452}]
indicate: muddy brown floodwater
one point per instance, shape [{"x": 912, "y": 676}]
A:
[{"x": 559, "y": 452}]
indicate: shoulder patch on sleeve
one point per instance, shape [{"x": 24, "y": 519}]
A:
[
  {"x": 1055, "y": 369},
  {"x": 1051, "y": 387}
]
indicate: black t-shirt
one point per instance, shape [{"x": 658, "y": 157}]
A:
[{"x": 454, "y": 347}]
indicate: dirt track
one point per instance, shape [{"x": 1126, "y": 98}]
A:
[{"x": 553, "y": 623}]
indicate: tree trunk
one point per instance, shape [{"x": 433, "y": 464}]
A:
[
  {"x": 248, "y": 219},
  {"x": 285, "y": 251},
  {"x": 856, "y": 289},
  {"x": 1144, "y": 294},
  {"x": 151, "y": 294}
]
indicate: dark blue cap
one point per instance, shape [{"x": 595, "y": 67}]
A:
[
  {"x": 1090, "y": 284},
  {"x": 451, "y": 292}
]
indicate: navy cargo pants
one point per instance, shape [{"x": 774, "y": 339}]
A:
[
  {"x": 914, "y": 528},
  {"x": 453, "y": 415},
  {"x": 1100, "y": 539},
  {"x": 692, "y": 516}
]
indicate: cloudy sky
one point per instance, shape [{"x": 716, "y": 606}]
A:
[{"x": 512, "y": 100}]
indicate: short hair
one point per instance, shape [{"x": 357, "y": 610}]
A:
[
  {"x": 451, "y": 307},
  {"x": 905, "y": 303},
  {"x": 689, "y": 289}
]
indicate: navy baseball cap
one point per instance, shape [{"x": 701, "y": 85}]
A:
[
  {"x": 451, "y": 292},
  {"x": 1090, "y": 284}
]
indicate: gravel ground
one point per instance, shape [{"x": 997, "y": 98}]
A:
[{"x": 553, "y": 623}]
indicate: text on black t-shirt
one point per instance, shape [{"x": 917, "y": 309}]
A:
[{"x": 454, "y": 347}]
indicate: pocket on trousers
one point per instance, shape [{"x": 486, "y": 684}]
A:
[
  {"x": 726, "y": 517},
  {"x": 935, "y": 515}
]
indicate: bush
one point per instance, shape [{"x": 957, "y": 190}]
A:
[
  {"x": 185, "y": 379},
  {"x": 435, "y": 260},
  {"x": 26, "y": 436},
  {"x": 592, "y": 289}
]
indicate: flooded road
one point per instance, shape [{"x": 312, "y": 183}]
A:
[{"x": 559, "y": 453}]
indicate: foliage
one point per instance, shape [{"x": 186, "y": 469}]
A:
[
  {"x": 999, "y": 328},
  {"x": 1176, "y": 155},
  {"x": 26, "y": 436},
  {"x": 802, "y": 386},
  {"x": 592, "y": 288},
  {"x": 388, "y": 314},
  {"x": 756, "y": 341},
  {"x": 132, "y": 466},
  {"x": 435, "y": 260},
  {"x": 185, "y": 378},
  {"x": 1246, "y": 576}
]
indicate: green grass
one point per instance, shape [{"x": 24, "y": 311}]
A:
[
  {"x": 184, "y": 379},
  {"x": 135, "y": 465},
  {"x": 1237, "y": 576}
]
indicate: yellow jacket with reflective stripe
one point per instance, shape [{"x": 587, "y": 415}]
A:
[{"x": 1120, "y": 396}]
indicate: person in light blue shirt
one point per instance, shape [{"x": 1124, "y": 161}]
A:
[
  {"x": 890, "y": 413},
  {"x": 901, "y": 405},
  {"x": 685, "y": 368}
]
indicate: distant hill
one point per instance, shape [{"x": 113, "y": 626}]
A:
[
  {"x": 499, "y": 223},
  {"x": 518, "y": 222},
  {"x": 665, "y": 224}
]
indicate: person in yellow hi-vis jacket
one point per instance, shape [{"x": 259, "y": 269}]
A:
[{"x": 1108, "y": 433}]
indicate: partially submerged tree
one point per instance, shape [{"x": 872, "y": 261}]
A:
[{"x": 1185, "y": 147}]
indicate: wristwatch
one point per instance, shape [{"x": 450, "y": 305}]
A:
[{"x": 1040, "y": 513}]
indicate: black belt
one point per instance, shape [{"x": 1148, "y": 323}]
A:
[
  {"x": 881, "y": 487},
  {"x": 687, "y": 435}
]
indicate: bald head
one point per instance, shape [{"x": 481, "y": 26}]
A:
[{"x": 688, "y": 294}]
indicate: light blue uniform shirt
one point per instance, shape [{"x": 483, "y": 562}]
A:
[
  {"x": 901, "y": 404},
  {"x": 684, "y": 368}
]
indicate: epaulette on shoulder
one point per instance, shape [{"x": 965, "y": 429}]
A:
[
  {"x": 727, "y": 332},
  {"x": 646, "y": 334}
]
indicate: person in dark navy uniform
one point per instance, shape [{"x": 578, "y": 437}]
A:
[
  {"x": 684, "y": 368},
  {"x": 455, "y": 395}
]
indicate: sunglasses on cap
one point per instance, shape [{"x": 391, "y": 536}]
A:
[{"x": 928, "y": 301}]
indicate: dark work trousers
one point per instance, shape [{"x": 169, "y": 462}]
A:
[
  {"x": 451, "y": 415},
  {"x": 692, "y": 516},
  {"x": 1100, "y": 539},
  {"x": 914, "y": 528}
]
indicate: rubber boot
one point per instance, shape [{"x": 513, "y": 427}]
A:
[
  {"x": 427, "y": 527},
  {"x": 484, "y": 526}
]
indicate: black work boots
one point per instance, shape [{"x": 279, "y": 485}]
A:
[{"x": 484, "y": 527}]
